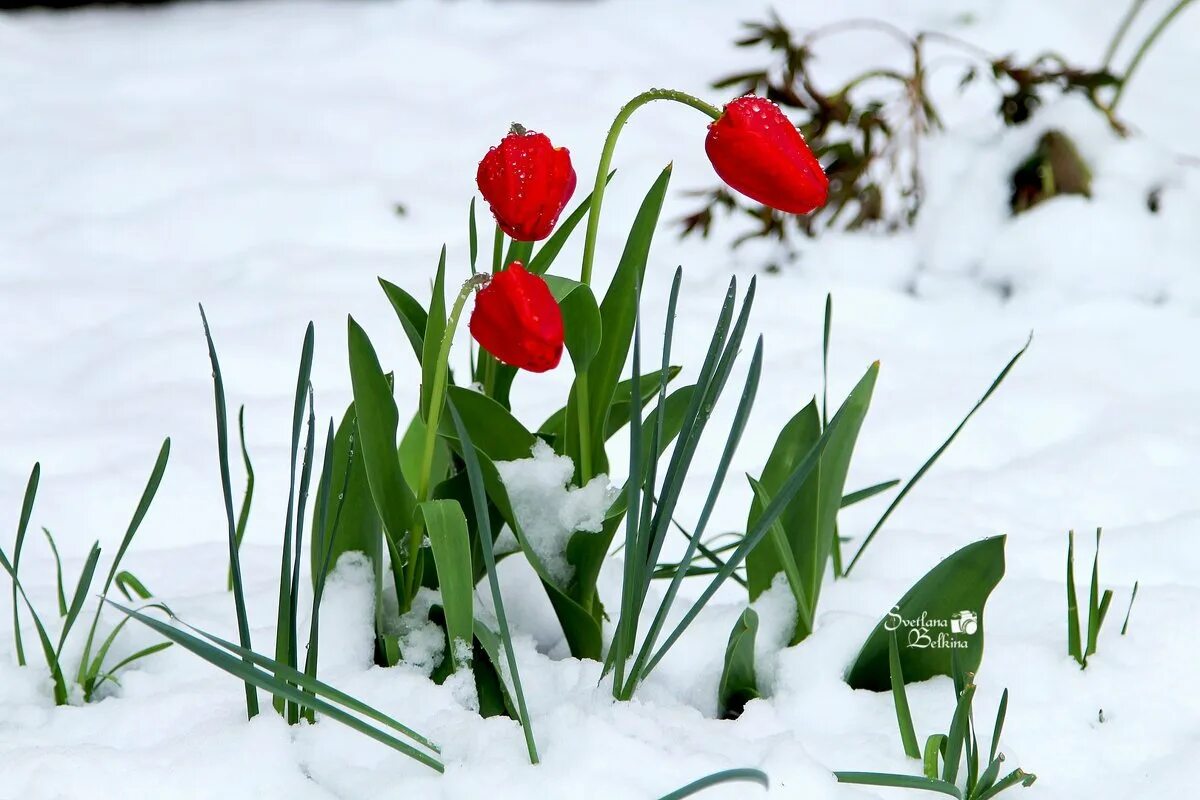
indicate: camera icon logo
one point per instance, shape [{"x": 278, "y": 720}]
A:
[{"x": 964, "y": 622}]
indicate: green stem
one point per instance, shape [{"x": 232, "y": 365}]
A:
[
  {"x": 593, "y": 227},
  {"x": 1157, "y": 31},
  {"x": 437, "y": 399},
  {"x": 1122, "y": 29}
]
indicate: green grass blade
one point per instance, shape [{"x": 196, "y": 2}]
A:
[
  {"x": 244, "y": 669},
  {"x": 957, "y": 737},
  {"x": 483, "y": 523},
  {"x": 473, "y": 236},
  {"x": 58, "y": 576},
  {"x": 248, "y": 497},
  {"x": 293, "y": 658},
  {"x": 94, "y": 677},
  {"x": 920, "y": 473},
  {"x": 110, "y": 675},
  {"x": 898, "y": 782},
  {"x": 322, "y": 541},
  {"x": 126, "y": 581},
  {"x": 999, "y": 727},
  {"x": 988, "y": 779},
  {"x": 740, "y": 775},
  {"x": 239, "y": 597},
  {"x": 139, "y": 514},
  {"x": 1128, "y": 611},
  {"x": 867, "y": 493},
  {"x": 1074, "y": 647},
  {"x": 60, "y": 684},
  {"x": 31, "y": 488},
  {"x": 934, "y": 746},
  {"x": 1095, "y": 614},
  {"x": 908, "y": 734},
  {"x": 710, "y": 554},
  {"x": 81, "y": 593},
  {"x": 1011, "y": 779},
  {"x": 853, "y": 409}
]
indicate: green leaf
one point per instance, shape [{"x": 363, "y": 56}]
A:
[
  {"x": 52, "y": 662},
  {"x": 618, "y": 413},
  {"x": 1074, "y": 645},
  {"x": 23, "y": 525},
  {"x": 58, "y": 576},
  {"x": 742, "y": 775},
  {"x": 376, "y": 423},
  {"x": 934, "y": 746},
  {"x": 581, "y": 319},
  {"x": 244, "y": 668},
  {"x": 473, "y": 236},
  {"x": 447, "y": 529},
  {"x": 809, "y": 520},
  {"x": 739, "y": 684},
  {"x": 999, "y": 727},
  {"x": 479, "y": 493},
  {"x": 1011, "y": 779},
  {"x": 936, "y": 455},
  {"x": 777, "y": 544},
  {"x": 126, "y": 581},
  {"x": 411, "y": 313},
  {"x": 248, "y": 496},
  {"x": 412, "y": 445},
  {"x": 541, "y": 262},
  {"x": 908, "y": 734},
  {"x": 435, "y": 329},
  {"x": 960, "y": 583},
  {"x": 898, "y": 782},
  {"x": 867, "y": 493},
  {"x": 960, "y": 726},
  {"x": 235, "y": 564},
  {"x": 494, "y": 430},
  {"x": 352, "y": 524},
  {"x": 1129, "y": 611},
  {"x": 82, "y": 588}
]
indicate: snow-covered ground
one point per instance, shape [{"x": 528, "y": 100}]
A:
[{"x": 250, "y": 155}]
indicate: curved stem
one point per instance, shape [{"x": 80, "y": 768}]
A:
[
  {"x": 437, "y": 399},
  {"x": 1150, "y": 39},
  {"x": 1119, "y": 33},
  {"x": 589, "y": 242}
]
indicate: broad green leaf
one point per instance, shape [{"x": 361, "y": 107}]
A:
[
  {"x": 618, "y": 413},
  {"x": 934, "y": 746},
  {"x": 435, "y": 329},
  {"x": 742, "y": 775},
  {"x": 777, "y": 543},
  {"x": 548, "y": 252},
  {"x": 739, "y": 684},
  {"x": 412, "y": 315},
  {"x": 376, "y": 424},
  {"x": 494, "y": 697},
  {"x": 953, "y": 592},
  {"x": 447, "y": 529},
  {"x": 898, "y": 782},
  {"x": 581, "y": 319},
  {"x": 494, "y": 430},
  {"x": 412, "y": 446}
]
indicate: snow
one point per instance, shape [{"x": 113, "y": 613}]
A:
[
  {"x": 549, "y": 509},
  {"x": 250, "y": 155}
]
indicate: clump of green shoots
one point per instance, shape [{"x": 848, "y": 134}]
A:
[
  {"x": 1079, "y": 648},
  {"x": 93, "y": 671},
  {"x": 946, "y": 754}
]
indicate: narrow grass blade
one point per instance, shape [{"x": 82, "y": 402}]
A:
[
  {"x": 483, "y": 524},
  {"x": 139, "y": 514},
  {"x": 867, "y": 493},
  {"x": 244, "y": 669},
  {"x": 988, "y": 779},
  {"x": 1128, "y": 611},
  {"x": 920, "y": 473},
  {"x": 740, "y": 775},
  {"x": 999, "y": 727},
  {"x": 248, "y": 497},
  {"x": 957, "y": 737},
  {"x": 934, "y": 746},
  {"x": 127, "y": 581},
  {"x": 908, "y": 734},
  {"x": 1095, "y": 613},
  {"x": 239, "y": 598},
  {"x": 853, "y": 409},
  {"x": 293, "y": 658},
  {"x": 1074, "y": 647},
  {"x": 31, "y": 488},
  {"x": 712, "y": 555},
  {"x": 1009, "y": 780},
  {"x": 58, "y": 578},
  {"x": 323, "y": 540},
  {"x": 898, "y": 782},
  {"x": 95, "y": 675},
  {"x": 60, "y": 684},
  {"x": 81, "y": 593},
  {"x": 110, "y": 675},
  {"x": 472, "y": 236}
]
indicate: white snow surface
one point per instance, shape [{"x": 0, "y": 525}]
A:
[{"x": 249, "y": 156}]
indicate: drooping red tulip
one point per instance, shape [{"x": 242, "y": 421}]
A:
[
  {"x": 518, "y": 321},
  {"x": 757, "y": 150},
  {"x": 527, "y": 181}
]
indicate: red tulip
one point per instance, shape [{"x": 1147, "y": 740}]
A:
[
  {"x": 527, "y": 181},
  {"x": 758, "y": 151},
  {"x": 517, "y": 320}
]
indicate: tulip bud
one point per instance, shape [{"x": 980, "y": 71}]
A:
[
  {"x": 527, "y": 181},
  {"x": 518, "y": 321},
  {"x": 757, "y": 150}
]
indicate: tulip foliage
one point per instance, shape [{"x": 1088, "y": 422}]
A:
[{"x": 420, "y": 491}]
